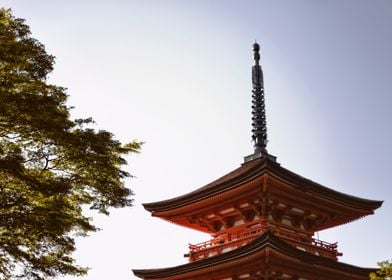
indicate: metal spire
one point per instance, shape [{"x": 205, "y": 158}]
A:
[{"x": 259, "y": 123}]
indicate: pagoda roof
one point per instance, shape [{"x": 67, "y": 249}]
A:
[
  {"x": 249, "y": 253},
  {"x": 253, "y": 169}
]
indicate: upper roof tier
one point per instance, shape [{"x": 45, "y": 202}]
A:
[
  {"x": 260, "y": 189},
  {"x": 265, "y": 185}
]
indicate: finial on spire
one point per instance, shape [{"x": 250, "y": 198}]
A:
[
  {"x": 259, "y": 123},
  {"x": 256, "y": 54}
]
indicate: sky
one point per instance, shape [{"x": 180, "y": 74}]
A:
[{"x": 177, "y": 75}]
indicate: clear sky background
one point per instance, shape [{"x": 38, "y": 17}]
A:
[{"x": 176, "y": 74}]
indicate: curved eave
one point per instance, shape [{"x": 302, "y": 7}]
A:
[
  {"x": 265, "y": 240},
  {"x": 240, "y": 175},
  {"x": 310, "y": 186},
  {"x": 251, "y": 170}
]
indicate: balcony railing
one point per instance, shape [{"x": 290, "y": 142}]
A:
[{"x": 232, "y": 240}]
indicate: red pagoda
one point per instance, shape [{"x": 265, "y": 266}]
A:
[{"x": 262, "y": 219}]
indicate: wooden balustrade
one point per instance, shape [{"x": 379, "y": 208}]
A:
[{"x": 231, "y": 240}]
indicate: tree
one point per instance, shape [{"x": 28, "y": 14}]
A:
[
  {"x": 50, "y": 165},
  {"x": 384, "y": 273}
]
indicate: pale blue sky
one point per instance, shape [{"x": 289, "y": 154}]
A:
[{"x": 176, "y": 74}]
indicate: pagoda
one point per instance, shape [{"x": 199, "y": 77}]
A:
[{"x": 262, "y": 219}]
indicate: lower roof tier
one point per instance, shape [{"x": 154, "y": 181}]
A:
[
  {"x": 266, "y": 256},
  {"x": 262, "y": 188}
]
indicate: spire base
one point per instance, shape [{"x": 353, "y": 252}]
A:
[{"x": 257, "y": 155}]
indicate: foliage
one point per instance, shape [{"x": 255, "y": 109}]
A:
[
  {"x": 50, "y": 165},
  {"x": 384, "y": 273}
]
